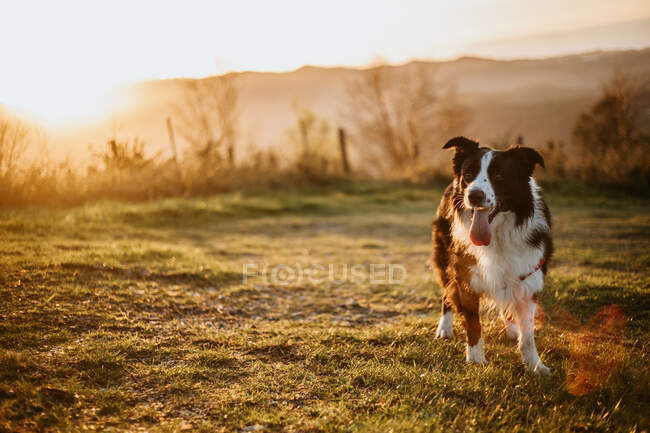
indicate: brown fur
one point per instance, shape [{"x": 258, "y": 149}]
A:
[
  {"x": 457, "y": 293},
  {"x": 451, "y": 263},
  {"x": 463, "y": 299}
]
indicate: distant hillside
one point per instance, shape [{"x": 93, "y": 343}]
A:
[
  {"x": 614, "y": 36},
  {"x": 537, "y": 98}
]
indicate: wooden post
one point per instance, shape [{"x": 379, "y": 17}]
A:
[
  {"x": 344, "y": 151},
  {"x": 231, "y": 155},
  {"x": 520, "y": 140},
  {"x": 172, "y": 142},
  {"x": 305, "y": 141}
]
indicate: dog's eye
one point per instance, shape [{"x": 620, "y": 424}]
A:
[
  {"x": 497, "y": 177},
  {"x": 467, "y": 177}
]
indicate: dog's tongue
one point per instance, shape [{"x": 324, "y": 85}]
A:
[{"x": 479, "y": 232}]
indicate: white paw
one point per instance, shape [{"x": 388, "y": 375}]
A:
[
  {"x": 475, "y": 353},
  {"x": 540, "y": 369},
  {"x": 512, "y": 330},
  {"x": 445, "y": 326}
]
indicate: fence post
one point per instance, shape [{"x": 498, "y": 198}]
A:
[
  {"x": 344, "y": 151},
  {"x": 520, "y": 140},
  {"x": 231, "y": 155},
  {"x": 305, "y": 141},
  {"x": 172, "y": 142}
]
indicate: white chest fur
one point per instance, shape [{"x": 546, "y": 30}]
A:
[{"x": 509, "y": 255}]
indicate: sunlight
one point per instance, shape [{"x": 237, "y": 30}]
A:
[
  {"x": 243, "y": 216},
  {"x": 64, "y": 104},
  {"x": 66, "y": 57}
]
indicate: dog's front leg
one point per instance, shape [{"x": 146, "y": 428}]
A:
[
  {"x": 467, "y": 304},
  {"x": 525, "y": 317},
  {"x": 445, "y": 325}
]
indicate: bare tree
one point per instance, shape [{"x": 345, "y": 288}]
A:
[
  {"x": 314, "y": 138},
  {"x": 397, "y": 116},
  {"x": 311, "y": 134},
  {"x": 13, "y": 144},
  {"x": 207, "y": 117}
]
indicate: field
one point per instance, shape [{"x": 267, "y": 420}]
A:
[{"x": 139, "y": 317}]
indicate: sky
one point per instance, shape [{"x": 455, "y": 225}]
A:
[{"x": 61, "y": 60}]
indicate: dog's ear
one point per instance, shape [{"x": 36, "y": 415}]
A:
[
  {"x": 464, "y": 147},
  {"x": 526, "y": 158},
  {"x": 463, "y": 144}
]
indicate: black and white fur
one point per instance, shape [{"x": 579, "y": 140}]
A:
[{"x": 510, "y": 269}]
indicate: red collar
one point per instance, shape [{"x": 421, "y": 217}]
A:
[{"x": 539, "y": 265}]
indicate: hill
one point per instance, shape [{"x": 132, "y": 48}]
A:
[{"x": 539, "y": 98}]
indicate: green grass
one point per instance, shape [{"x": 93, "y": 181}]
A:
[{"x": 135, "y": 316}]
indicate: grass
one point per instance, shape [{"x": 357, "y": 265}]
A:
[{"x": 136, "y": 317}]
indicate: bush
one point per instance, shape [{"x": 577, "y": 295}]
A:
[{"x": 610, "y": 143}]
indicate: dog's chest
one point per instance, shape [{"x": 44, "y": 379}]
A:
[{"x": 500, "y": 265}]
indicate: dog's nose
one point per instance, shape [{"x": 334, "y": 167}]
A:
[{"x": 476, "y": 197}]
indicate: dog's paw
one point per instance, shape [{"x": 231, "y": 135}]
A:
[
  {"x": 541, "y": 369},
  {"x": 446, "y": 332},
  {"x": 475, "y": 354},
  {"x": 445, "y": 326}
]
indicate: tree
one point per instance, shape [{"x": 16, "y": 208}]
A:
[
  {"x": 13, "y": 144},
  {"x": 613, "y": 121},
  {"x": 208, "y": 116},
  {"x": 397, "y": 116},
  {"x": 311, "y": 134},
  {"x": 315, "y": 139},
  {"x": 611, "y": 138}
]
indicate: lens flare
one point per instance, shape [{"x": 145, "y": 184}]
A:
[{"x": 590, "y": 365}]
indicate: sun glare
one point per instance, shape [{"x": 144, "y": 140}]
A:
[
  {"x": 64, "y": 104},
  {"x": 61, "y": 60}
]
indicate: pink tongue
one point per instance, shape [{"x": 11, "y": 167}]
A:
[{"x": 479, "y": 232}]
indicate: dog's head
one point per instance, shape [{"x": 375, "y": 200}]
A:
[{"x": 489, "y": 181}]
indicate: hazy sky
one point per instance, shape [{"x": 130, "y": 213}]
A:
[{"x": 59, "y": 58}]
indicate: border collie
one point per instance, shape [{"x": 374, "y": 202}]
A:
[{"x": 492, "y": 236}]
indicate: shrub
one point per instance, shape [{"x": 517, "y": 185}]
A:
[{"x": 610, "y": 143}]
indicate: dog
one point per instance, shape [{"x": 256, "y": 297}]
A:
[{"x": 492, "y": 237}]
